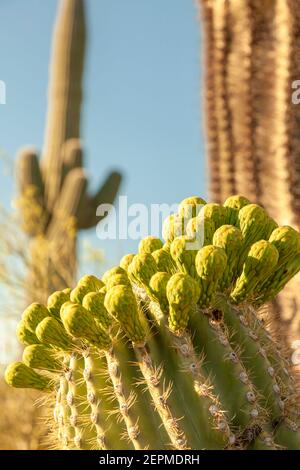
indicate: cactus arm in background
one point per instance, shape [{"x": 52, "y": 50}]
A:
[
  {"x": 65, "y": 91},
  {"x": 106, "y": 194}
]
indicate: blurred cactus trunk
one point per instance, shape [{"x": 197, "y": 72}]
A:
[
  {"x": 54, "y": 200},
  {"x": 251, "y": 54}
]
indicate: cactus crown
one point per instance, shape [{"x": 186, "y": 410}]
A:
[{"x": 183, "y": 321}]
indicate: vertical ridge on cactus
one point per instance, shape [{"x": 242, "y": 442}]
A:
[
  {"x": 250, "y": 52},
  {"x": 191, "y": 354}
]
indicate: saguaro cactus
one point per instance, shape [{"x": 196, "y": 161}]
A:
[
  {"x": 54, "y": 198},
  {"x": 170, "y": 348},
  {"x": 251, "y": 57}
]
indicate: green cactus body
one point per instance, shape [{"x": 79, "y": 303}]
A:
[{"x": 168, "y": 350}]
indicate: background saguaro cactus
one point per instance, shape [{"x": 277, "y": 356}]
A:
[
  {"x": 54, "y": 200},
  {"x": 251, "y": 55}
]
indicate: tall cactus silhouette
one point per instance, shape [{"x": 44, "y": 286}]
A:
[
  {"x": 54, "y": 197},
  {"x": 251, "y": 60}
]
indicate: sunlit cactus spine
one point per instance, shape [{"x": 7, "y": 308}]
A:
[
  {"x": 54, "y": 200},
  {"x": 178, "y": 356}
]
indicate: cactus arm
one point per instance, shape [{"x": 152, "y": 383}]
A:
[
  {"x": 95, "y": 376},
  {"x": 148, "y": 419},
  {"x": 160, "y": 397},
  {"x": 212, "y": 421},
  {"x": 28, "y": 172},
  {"x": 106, "y": 194},
  {"x": 280, "y": 365},
  {"x": 69, "y": 202},
  {"x": 229, "y": 373},
  {"x": 183, "y": 398},
  {"x": 125, "y": 401},
  {"x": 66, "y": 432},
  {"x": 94, "y": 399},
  {"x": 72, "y": 156},
  {"x": 65, "y": 92},
  {"x": 259, "y": 366},
  {"x": 77, "y": 402}
]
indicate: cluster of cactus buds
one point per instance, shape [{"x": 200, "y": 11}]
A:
[{"x": 171, "y": 349}]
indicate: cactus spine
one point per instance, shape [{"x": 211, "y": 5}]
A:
[
  {"x": 251, "y": 49},
  {"x": 173, "y": 350},
  {"x": 54, "y": 199}
]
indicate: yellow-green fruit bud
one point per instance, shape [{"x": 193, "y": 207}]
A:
[
  {"x": 79, "y": 292},
  {"x": 33, "y": 315},
  {"x": 190, "y": 207},
  {"x": 80, "y": 323},
  {"x": 92, "y": 282},
  {"x": 55, "y": 301},
  {"x": 184, "y": 253},
  {"x": 230, "y": 239},
  {"x": 66, "y": 304},
  {"x": 158, "y": 289},
  {"x": 121, "y": 304},
  {"x": 234, "y": 204},
  {"x": 201, "y": 229},
  {"x": 173, "y": 226},
  {"x": 126, "y": 260},
  {"x": 141, "y": 269},
  {"x": 67, "y": 291},
  {"x": 255, "y": 225},
  {"x": 276, "y": 282},
  {"x": 287, "y": 242},
  {"x": 211, "y": 262},
  {"x": 260, "y": 263},
  {"x": 24, "y": 335},
  {"x": 116, "y": 280},
  {"x": 94, "y": 303},
  {"x": 50, "y": 331},
  {"x": 166, "y": 246},
  {"x": 164, "y": 261},
  {"x": 112, "y": 272},
  {"x": 19, "y": 375},
  {"x": 216, "y": 213},
  {"x": 40, "y": 356},
  {"x": 182, "y": 293},
  {"x": 150, "y": 244}
]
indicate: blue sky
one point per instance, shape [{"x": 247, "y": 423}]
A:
[{"x": 142, "y": 96}]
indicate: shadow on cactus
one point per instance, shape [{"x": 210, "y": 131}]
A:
[{"x": 171, "y": 348}]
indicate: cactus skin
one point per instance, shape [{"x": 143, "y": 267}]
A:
[
  {"x": 54, "y": 198},
  {"x": 212, "y": 375},
  {"x": 250, "y": 51}
]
